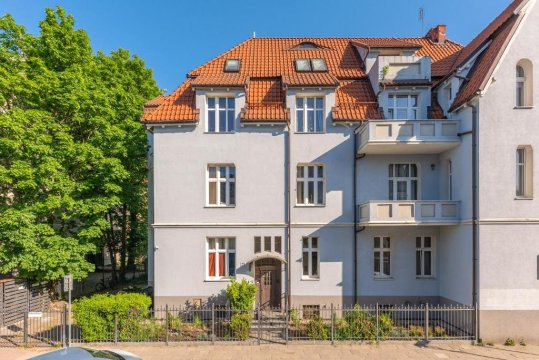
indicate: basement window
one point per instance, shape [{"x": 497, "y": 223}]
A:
[{"x": 232, "y": 65}]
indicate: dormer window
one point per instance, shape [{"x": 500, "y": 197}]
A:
[
  {"x": 307, "y": 65},
  {"x": 307, "y": 45},
  {"x": 303, "y": 65},
  {"x": 232, "y": 65}
]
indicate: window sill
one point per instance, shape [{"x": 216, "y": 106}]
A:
[
  {"x": 220, "y": 133},
  {"x": 426, "y": 278},
  {"x": 219, "y": 280},
  {"x": 219, "y": 206},
  {"x": 309, "y": 206},
  {"x": 383, "y": 278},
  {"x": 523, "y": 107},
  {"x": 310, "y": 133},
  {"x": 310, "y": 279},
  {"x": 523, "y": 198}
]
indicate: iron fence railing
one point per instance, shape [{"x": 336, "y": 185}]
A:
[{"x": 215, "y": 324}]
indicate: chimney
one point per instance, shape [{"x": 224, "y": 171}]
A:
[{"x": 437, "y": 34}]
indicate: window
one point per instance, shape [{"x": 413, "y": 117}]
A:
[
  {"x": 310, "y": 114},
  {"x": 310, "y": 258},
  {"x": 311, "y": 312},
  {"x": 307, "y": 45},
  {"x": 221, "y": 185},
  {"x": 524, "y": 83},
  {"x": 450, "y": 180},
  {"x": 382, "y": 256},
  {"x": 221, "y": 258},
  {"x": 424, "y": 258},
  {"x": 403, "y": 179},
  {"x": 232, "y": 65},
  {"x": 310, "y": 189},
  {"x": 524, "y": 172},
  {"x": 221, "y": 114},
  {"x": 307, "y": 65},
  {"x": 403, "y": 107},
  {"x": 268, "y": 243}
]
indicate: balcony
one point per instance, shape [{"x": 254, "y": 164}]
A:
[
  {"x": 380, "y": 137},
  {"x": 410, "y": 212}
]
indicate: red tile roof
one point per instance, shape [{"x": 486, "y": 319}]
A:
[
  {"x": 355, "y": 100},
  {"x": 274, "y": 58},
  {"x": 265, "y": 101},
  {"x": 498, "y": 32},
  {"x": 177, "y": 107}
]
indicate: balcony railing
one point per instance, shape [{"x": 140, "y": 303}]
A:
[
  {"x": 408, "y": 136},
  {"x": 412, "y": 212}
]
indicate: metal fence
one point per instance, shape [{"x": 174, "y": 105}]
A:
[{"x": 217, "y": 324}]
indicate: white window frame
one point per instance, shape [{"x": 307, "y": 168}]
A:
[
  {"x": 407, "y": 179},
  {"x": 310, "y": 250},
  {"x": 227, "y": 179},
  {"x": 306, "y": 179},
  {"x": 421, "y": 250},
  {"x": 218, "y": 250},
  {"x": 520, "y": 86},
  {"x": 524, "y": 172},
  {"x": 262, "y": 244},
  {"x": 216, "y": 110},
  {"x": 412, "y": 112},
  {"x": 303, "y": 118},
  {"x": 379, "y": 273}
]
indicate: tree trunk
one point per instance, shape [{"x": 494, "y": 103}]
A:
[
  {"x": 132, "y": 242},
  {"x": 123, "y": 243},
  {"x": 112, "y": 251}
]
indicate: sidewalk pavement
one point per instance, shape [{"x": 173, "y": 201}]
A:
[{"x": 385, "y": 351}]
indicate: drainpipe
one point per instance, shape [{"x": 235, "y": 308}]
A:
[
  {"x": 288, "y": 219},
  {"x": 475, "y": 235},
  {"x": 356, "y": 223}
]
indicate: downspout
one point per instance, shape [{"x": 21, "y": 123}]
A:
[
  {"x": 288, "y": 219},
  {"x": 475, "y": 235},
  {"x": 356, "y": 222}
]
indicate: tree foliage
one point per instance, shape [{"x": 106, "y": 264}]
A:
[{"x": 72, "y": 151}]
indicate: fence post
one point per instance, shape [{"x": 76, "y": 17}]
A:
[
  {"x": 115, "y": 329},
  {"x": 25, "y": 328},
  {"x": 213, "y": 324},
  {"x": 427, "y": 322},
  {"x": 259, "y": 321},
  {"x": 64, "y": 322},
  {"x": 377, "y": 323},
  {"x": 166, "y": 323},
  {"x": 332, "y": 326},
  {"x": 476, "y": 325}
]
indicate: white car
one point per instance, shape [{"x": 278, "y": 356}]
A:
[{"x": 79, "y": 353}]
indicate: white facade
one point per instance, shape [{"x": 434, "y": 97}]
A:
[{"x": 430, "y": 201}]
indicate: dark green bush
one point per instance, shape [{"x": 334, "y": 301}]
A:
[
  {"x": 240, "y": 325},
  {"x": 359, "y": 324},
  {"x": 95, "y": 315},
  {"x": 316, "y": 329}
]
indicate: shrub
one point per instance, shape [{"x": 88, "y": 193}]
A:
[
  {"x": 509, "y": 342},
  {"x": 240, "y": 325},
  {"x": 294, "y": 318},
  {"x": 438, "y": 331},
  {"x": 385, "y": 325},
  {"x": 316, "y": 329},
  {"x": 174, "y": 322},
  {"x": 359, "y": 324},
  {"x": 416, "y": 331},
  {"x": 241, "y": 295},
  {"x": 95, "y": 315},
  {"x": 522, "y": 342}
]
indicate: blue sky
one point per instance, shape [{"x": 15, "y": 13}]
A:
[{"x": 174, "y": 36}]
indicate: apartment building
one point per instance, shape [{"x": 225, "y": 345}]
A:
[{"x": 354, "y": 170}]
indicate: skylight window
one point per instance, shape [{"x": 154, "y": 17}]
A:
[
  {"x": 303, "y": 65},
  {"x": 311, "y": 65},
  {"x": 232, "y": 65},
  {"x": 319, "y": 65}
]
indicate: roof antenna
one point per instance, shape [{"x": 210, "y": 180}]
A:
[
  {"x": 422, "y": 20},
  {"x": 254, "y": 34}
]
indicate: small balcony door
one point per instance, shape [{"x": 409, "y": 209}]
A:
[{"x": 403, "y": 182}]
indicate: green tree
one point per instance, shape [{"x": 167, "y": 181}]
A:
[{"x": 72, "y": 151}]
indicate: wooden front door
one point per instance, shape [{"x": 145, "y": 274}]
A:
[{"x": 268, "y": 278}]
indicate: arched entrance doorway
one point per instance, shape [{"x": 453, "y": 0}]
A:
[{"x": 268, "y": 278}]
